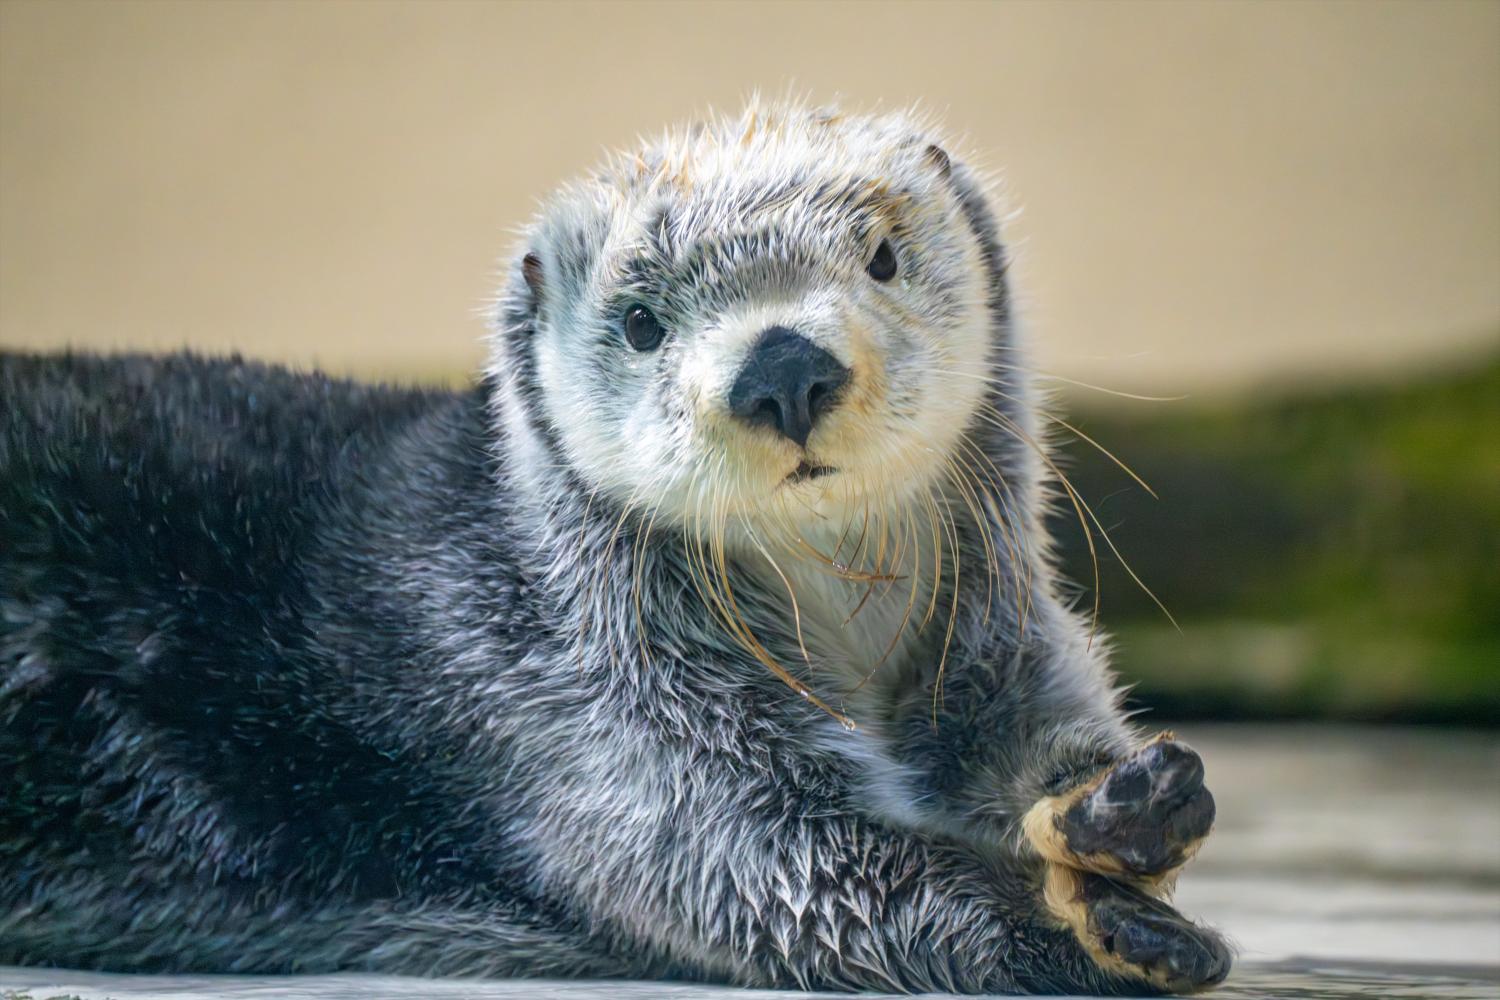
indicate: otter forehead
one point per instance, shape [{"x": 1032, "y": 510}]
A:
[
  {"x": 744, "y": 163},
  {"x": 775, "y": 184}
]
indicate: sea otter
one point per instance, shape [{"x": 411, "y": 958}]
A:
[{"x": 713, "y": 634}]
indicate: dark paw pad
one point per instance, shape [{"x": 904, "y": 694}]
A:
[
  {"x": 1151, "y": 939},
  {"x": 1149, "y": 812}
]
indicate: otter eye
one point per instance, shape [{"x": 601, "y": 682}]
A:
[
  {"x": 642, "y": 328},
  {"x": 882, "y": 266}
]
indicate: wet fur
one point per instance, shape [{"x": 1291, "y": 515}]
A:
[{"x": 302, "y": 675}]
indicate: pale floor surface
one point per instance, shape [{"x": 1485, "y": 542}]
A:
[{"x": 1347, "y": 862}]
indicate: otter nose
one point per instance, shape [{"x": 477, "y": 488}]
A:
[{"x": 788, "y": 382}]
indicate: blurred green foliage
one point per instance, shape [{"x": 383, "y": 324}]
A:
[{"x": 1334, "y": 553}]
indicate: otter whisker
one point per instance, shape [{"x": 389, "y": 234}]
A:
[
  {"x": 791, "y": 591},
  {"x": 1104, "y": 533},
  {"x": 1010, "y": 533},
  {"x": 839, "y": 570},
  {"x": 859, "y": 605},
  {"x": 753, "y": 645},
  {"x": 951, "y": 531},
  {"x": 934, "y": 522},
  {"x": 905, "y": 540},
  {"x": 1075, "y": 431},
  {"x": 998, "y": 419},
  {"x": 843, "y": 537},
  {"x": 1103, "y": 451},
  {"x": 960, "y": 478},
  {"x": 911, "y": 603},
  {"x": 1038, "y": 373}
]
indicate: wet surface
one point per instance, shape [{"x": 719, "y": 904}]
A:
[{"x": 1346, "y": 862}]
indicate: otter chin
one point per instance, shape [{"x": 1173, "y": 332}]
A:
[{"x": 712, "y": 633}]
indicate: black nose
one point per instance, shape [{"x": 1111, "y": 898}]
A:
[{"x": 787, "y": 383}]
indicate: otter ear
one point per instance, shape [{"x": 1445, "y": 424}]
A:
[
  {"x": 938, "y": 157},
  {"x": 531, "y": 270}
]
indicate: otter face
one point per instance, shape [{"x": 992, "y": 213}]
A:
[{"x": 778, "y": 320}]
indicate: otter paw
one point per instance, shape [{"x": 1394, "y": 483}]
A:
[
  {"x": 1134, "y": 935},
  {"x": 1145, "y": 816}
]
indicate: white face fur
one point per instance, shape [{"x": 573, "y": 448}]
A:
[{"x": 769, "y": 220}]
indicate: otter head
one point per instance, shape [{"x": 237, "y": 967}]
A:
[{"x": 769, "y": 323}]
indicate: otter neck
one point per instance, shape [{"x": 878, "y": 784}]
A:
[{"x": 864, "y": 600}]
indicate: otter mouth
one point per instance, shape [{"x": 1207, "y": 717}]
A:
[{"x": 808, "y": 471}]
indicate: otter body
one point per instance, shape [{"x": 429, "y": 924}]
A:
[
  {"x": 193, "y": 574},
  {"x": 649, "y": 656}
]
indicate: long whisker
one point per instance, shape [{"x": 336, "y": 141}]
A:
[
  {"x": 909, "y": 534},
  {"x": 1037, "y": 373},
  {"x": 791, "y": 591},
  {"x": 959, "y": 476},
  {"x": 1009, "y": 505},
  {"x": 998, "y": 419},
  {"x": 999, "y": 385},
  {"x": 951, "y": 530},
  {"x": 1098, "y": 524},
  {"x": 1105, "y": 452},
  {"x": 1011, "y": 532},
  {"x": 735, "y": 621},
  {"x": 937, "y": 557}
]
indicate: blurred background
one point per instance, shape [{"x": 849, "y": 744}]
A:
[{"x": 1279, "y": 220}]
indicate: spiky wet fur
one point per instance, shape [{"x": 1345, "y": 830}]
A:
[{"x": 301, "y": 675}]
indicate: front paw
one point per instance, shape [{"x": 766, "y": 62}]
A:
[{"x": 1144, "y": 817}]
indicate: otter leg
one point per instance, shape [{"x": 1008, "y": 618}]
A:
[
  {"x": 1051, "y": 772},
  {"x": 1144, "y": 817}
]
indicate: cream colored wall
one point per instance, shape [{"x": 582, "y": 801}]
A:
[{"x": 1210, "y": 193}]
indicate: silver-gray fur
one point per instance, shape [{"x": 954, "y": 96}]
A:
[{"x": 488, "y": 683}]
